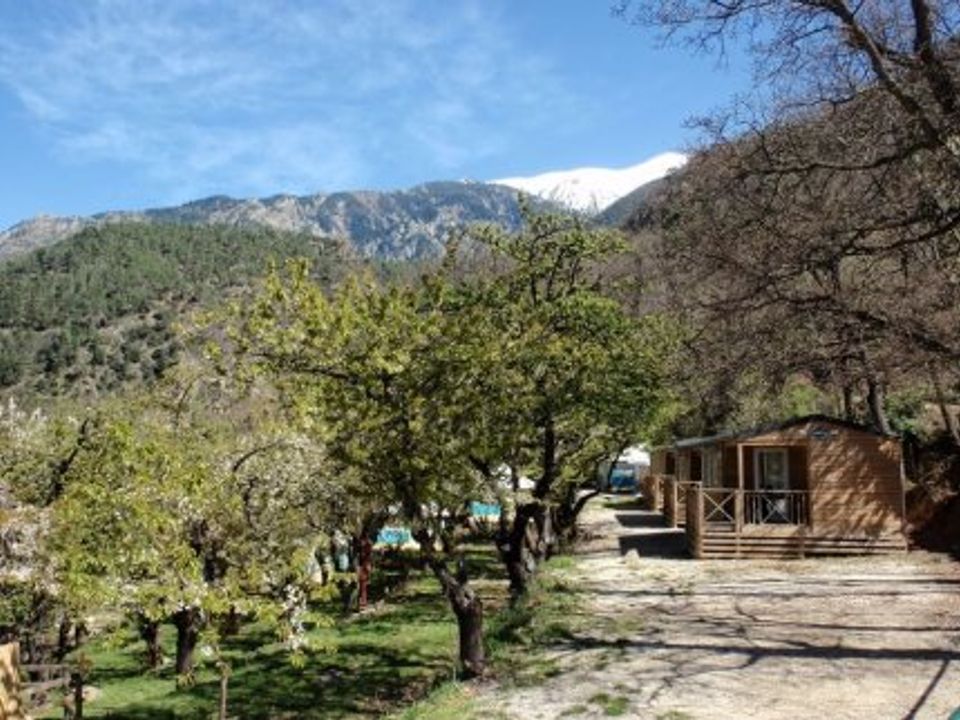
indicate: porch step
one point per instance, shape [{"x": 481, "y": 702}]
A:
[{"x": 726, "y": 544}]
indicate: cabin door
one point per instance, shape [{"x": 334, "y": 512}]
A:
[{"x": 773, "y": 477}]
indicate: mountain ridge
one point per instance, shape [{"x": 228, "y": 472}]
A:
[{"x": 405, "y": 224}]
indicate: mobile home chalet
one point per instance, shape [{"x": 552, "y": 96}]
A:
[{"x": 813, "y": 485}]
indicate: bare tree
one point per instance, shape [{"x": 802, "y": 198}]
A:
[{"x": 818, "y": 230}]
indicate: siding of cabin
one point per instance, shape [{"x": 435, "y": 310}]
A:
[{"x": 856, "y": 486}]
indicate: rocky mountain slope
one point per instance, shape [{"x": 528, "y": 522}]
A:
[{"x": 406, "y": 224}]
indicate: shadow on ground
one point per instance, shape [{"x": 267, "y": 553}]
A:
[{"x": 652, "y": 539}]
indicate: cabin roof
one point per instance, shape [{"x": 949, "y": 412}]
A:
[{"x": 744, "y": 434}]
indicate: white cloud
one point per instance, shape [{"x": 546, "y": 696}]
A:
[{"x": 260, "y": 97}]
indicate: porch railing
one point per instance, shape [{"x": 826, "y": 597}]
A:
[
  {"x": 675, "y": 500},
  {"x": 754, "y": 507},
  {"x": 720, "y": 505},
  {"x": 780, "y": 507}
]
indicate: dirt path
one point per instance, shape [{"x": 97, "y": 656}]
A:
[{"x": 669, "y": 638}]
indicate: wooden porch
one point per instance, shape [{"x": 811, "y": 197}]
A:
[
  {"x": 730, "y": 523},
  {"x": 813, "y": 486}
]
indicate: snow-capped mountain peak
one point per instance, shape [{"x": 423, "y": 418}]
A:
[{"x": 592, "y": 189}]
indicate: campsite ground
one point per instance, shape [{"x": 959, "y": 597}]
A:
[{"x": 657, "y": 635}]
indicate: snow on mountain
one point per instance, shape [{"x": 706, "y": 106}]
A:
[{"x": 593, "y": 189}]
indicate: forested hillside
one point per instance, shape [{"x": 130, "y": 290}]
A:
[{"x": 98, "y": 310}]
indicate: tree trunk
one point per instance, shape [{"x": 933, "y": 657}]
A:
[
  {"x": 466, "y": 605},
  {"x": 543, "y": 539},
  {"x": 63, "y": 638},
  {"x": 187, "y": 622},
  {"x": 79, "y": 633},
  {"x": 513, "y": 545},
  {"x": 569, "y": 514},
  {"x": 876, "y": 403},
  {"x": 949, "y": 419},
  {"x": 470, "y": 627},
  {"x": 364, "y": 569},
  {"x": 849, "y": 412},
  {"x": 150, "y": 634},
  {"x": 230, "y": 626},
  {"x": 76, "y": 684}
]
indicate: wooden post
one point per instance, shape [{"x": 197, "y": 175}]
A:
[
  {"x": 10, "y": 689},
  {"x": 698, "y": 514},
  {"x": 673, "y": 500},
  {"x": 741, "y": 464},
  {"x": 224, "y": 680}
]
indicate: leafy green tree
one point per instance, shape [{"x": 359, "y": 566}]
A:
[
  {"x": 35, "y": 451},
  {"x": 578, "y": 378},
  {"x": 388, "y": 380}
]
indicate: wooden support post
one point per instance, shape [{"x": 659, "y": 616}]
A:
[
  {"x": 674, "y": 502},
  {"x": 740, "y": 468},
  {"x": 10, "y": 685},
  {"x": 739, "y": 508},
  {"x": 698, "y": 513}
]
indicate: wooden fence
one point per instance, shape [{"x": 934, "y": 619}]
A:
[{"x": 37, "y": 686}]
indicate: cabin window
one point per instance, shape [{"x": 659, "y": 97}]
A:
[
  {"x": 710, "y": 476},
  {"x": 771, "y": 469}
]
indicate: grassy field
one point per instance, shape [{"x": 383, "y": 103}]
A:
[{"x": 398, "y": 657}]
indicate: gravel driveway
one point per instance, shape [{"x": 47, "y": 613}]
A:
[{"x": 666, "y": 637}]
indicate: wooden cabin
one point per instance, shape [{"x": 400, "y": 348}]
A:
[{"x": 813, "y": 485}]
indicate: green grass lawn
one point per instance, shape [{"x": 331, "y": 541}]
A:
[
  {"x": 383, "y": 659},
  {"x": 399, "y": 657}
]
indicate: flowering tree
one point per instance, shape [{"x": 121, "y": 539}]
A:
[{"x": 176, "y": 508}]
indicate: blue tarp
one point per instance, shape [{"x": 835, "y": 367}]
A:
[
  {"x": 484, "y": 510},
  {"x": 394, "y": 536}
]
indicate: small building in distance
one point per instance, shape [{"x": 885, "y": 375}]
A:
[
  {"x": 813, "y": 485},
  {"x": 627, "y": 473}
]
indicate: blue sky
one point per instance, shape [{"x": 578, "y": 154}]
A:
[{"x": 121, "y": 104}]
